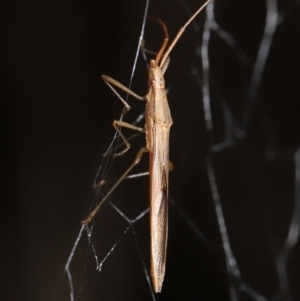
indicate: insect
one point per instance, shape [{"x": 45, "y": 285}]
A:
[{"x": 157, "y": 128}]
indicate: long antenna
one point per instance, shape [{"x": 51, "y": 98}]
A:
[{"x": 182, "y": 29}]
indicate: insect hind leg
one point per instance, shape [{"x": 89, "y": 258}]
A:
[{"x": 135, "y": 162}]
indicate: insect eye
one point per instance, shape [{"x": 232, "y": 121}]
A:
[{"x": 153, "y": 81}]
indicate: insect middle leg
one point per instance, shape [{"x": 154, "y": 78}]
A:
[{"x": 116, "y": 125}]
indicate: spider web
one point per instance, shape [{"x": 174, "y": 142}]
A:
[{"x": 235, "y": 190}]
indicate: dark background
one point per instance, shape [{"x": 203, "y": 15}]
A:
[{"x": 56, "y": 117}]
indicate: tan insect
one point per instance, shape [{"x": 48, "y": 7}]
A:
[{"x": 157, "y": 129}]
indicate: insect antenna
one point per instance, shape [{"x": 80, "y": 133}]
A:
[
  {"x": 182, "y": 29},
  {"x": 165, "y": 42}
]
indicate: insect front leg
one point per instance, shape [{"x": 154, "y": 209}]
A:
[
  {"x": 112, "y": 82},
  {"x": 117, "y": 123}
]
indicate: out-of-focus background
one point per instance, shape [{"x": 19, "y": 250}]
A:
[{"x": 56, "y": 117}]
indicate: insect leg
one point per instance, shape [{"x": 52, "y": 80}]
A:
[
  {"x": 112, "y": 82},
  {"x": 137, "y": 175},
  {"x": 112, "y": 150},
  {"x": 116, "y": 125},
  {"x": 135, "y": 162}
]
